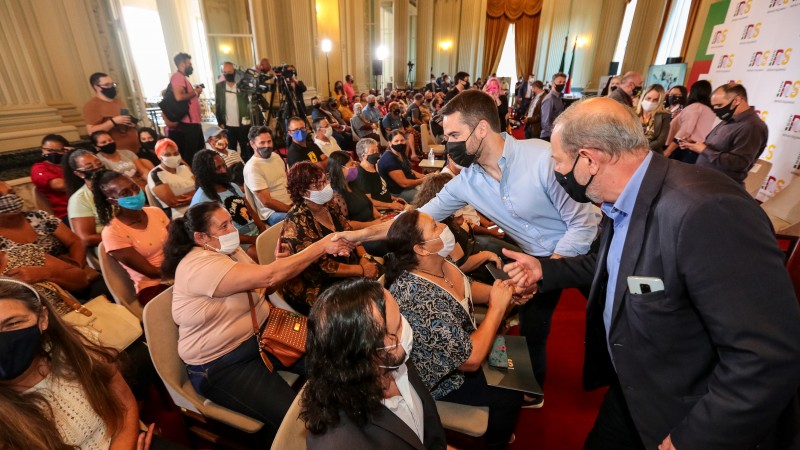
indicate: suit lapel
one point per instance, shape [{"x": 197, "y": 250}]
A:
[
  {"x": 631, "y": 251},
  {"x": 390, "y": 422}
]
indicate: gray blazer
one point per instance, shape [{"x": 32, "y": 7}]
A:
[
  {"x": 385, "y": 431},
  {"x": 714, "y": 359}
]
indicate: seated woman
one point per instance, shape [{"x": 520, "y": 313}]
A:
[
  {"x": 79, "y": 167},
  {"x": 362, "y": 126},
  {"x": 213, "y": 182},
  {"x": 393, "y": 121},
  {"x": 313, "y": 217},
  {"x": 654, "y": 117},
  {"x": 172, "y": 181},
  {"x": 147, "y": 149},
  {"x": 344, "y": 109},
  {"x": 134, "y": 234},
  {"x": 437, "y": 299},
  {"x": 66, "y": 391},
  {"x": 211, "y": 305},
  {"x": 361, "y": 382},
  {"x": 123, "y": 161},
  {"x": 395, "y": 168},
  {"x": 369, "y": 181}
]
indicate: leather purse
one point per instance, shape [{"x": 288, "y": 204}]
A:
[
  {"x": 284, "y": 336},
  {"x": 104, "y": 322}
]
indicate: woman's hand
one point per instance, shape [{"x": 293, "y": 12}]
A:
[
  {"x": 500, "y": 295},
  {"x": 492, "y": 257},
  {"x": 369, "y": 267},
  {"x": 337, "y": 247},
  {"x": 397, "y": 206},
  {"x": 145, "y": 438},
  {"x": 29, "y": 274}
]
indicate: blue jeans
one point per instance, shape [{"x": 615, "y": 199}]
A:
[
  {"x": 275, "y": 217},
  {"x": 240, "y": 381},
  {"x": 409, "y": 194}
]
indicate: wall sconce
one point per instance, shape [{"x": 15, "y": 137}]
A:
[
  {"x": 382, "y": 52},
  {"x": 225, "y": 49},
  {"x": 583, "y": 41},
  {"x": 446, "y": 45}
]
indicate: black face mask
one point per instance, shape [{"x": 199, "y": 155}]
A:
[
  {"x": 636, "y": 91},
  {"x": 222, "y": 178},
  {"x": 373, "y": 158},
  {"x": 396, "y": 112},
  {"x": 54, "y": 158},
  {"x": 371, "y": 104},
  {"x": 574, "y": 189},
  {"x": 189, "y": 71},
  {"x": 149, "y": 145},
  {"x": 725, "y": 113},
  {"x": 612, "y": 88},
  {"x": 229, "y": 77},
  {"x": 558, "y": 87},
  {"x": 264, "y": 152},
  {"x": 88, "y": 174},
  {"x": 17, "y": 350},
  {"x": 466, "y": 85},
  {"x": 399, "y": 148},
  {"x": 316, "y": 105},
  {"x": 333, "y": 105},
  {"x": 675, "y": 100},
  {"x": 458, "y": 151},
  {"x": 108, "y": 149},
  {"x": 110, "y": 92}
]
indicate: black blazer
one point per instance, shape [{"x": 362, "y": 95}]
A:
[
  {"x": 714, "y": 359},
  {"x": 385, "y": 431}
]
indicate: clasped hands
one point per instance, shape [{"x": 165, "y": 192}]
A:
[{"x": 524, "y": 273}]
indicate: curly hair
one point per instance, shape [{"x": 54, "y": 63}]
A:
[
  {"x": 429, "y": 188},
  {"x": 403, "y": 235},
  {"x": 343, "y": 355},
  {"x": 181, "y": 235},
  {"x": 205, "y": 173},
  {"x": 336, "y": 162},
  {"x": 105, "y": 210},
  {"x": 300, "y": 178}
]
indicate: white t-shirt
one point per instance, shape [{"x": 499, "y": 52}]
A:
[
  {"x": 126, "y": 164},
  {"x": 231, "y": 106},
  {"x": 181, "y": 182},
  {"x": 327, "y": 147},
  {"x": 260, "y": 174}
]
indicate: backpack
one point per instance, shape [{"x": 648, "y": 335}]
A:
[{"x": 173, "y": 109}]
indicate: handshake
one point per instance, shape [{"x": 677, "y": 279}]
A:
[{"x": 523, "y": 273}]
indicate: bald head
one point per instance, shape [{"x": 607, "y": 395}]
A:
[
  {"x": 602, "y": 124},
  {"x": 630, "y": 81}
]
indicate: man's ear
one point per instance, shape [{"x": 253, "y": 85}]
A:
[{"x": 594, "y": 157}]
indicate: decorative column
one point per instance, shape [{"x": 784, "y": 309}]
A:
[
  {"x": 400, "y": 50},
  {"x": 424, "y": 42},
  {"x": 644, "y": 35},
  {"x": 306, "y": 47},
  {"x": 611, "y": 16},
  {"x": 472, "y": 27},
  {"x": 25, "y": 115},
  {"x": 355, "y": 43}
]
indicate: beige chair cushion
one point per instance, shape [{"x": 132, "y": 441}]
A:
[
  {"x": 755, "y": 178},
  {"x": 784, "y": 208},
  {"x": 266, "y": 243},
  {"x": 469, "y": 420},
  {"x": 292, "y": 432},
  {"x": 119, "y": 282}
]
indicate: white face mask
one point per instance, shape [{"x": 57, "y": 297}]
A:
[
  {"x": 648, "y": 106},
  {"x": 448, "y": 242},
  {"x": 171, "y": 161},
  {"x": 406, "y": 341},
  {"x": 228, "y": 243},
  {"x": 328, "y": 132},
  {"x": 321, "y": 197}
]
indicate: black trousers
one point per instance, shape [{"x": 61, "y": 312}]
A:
[
  {"x": 535, "y": 318},
  {"x": 238, "y": 136},
  {"x": 614, "y": 428},
  {"x": 189, "y": 138}
]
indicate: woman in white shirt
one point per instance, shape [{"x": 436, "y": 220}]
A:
[{"x": 172, "y": 181}]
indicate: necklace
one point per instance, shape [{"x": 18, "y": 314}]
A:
[{"x": 442, "y": 276}]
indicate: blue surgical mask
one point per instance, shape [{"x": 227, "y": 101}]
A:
[
  {"x": 299, "y": 135},
  {"x": 134, "y": 202}
]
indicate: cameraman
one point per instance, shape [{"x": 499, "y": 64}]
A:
[
  {"x": 104, "y": 112},
  {"x": 295, "y": 106},
  {"x": 233, "y": 111}
]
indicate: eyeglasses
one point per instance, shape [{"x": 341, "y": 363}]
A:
[{"x": 106, "y": 86}]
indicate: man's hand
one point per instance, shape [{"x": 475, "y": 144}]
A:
[
  {"x": 667, "y": 444},
  {"x": 696, "y": 147},
  {"x": 525, "y": 271},
  {"x": 122, "y": 120},
  {"x": 352, "y": 238},
  {"x": 198, "y": 90},
  {"x": 336, "y": 245}
]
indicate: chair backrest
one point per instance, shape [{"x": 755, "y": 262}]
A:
[
  {"x": 785, "y": 206},
  {"x": 755, "y": 178},
  {"x": 248, "y": 195},
  {"x": 42, "y": 203},
  {"x": 266, "y": 243},
  {"x": 151, "y": 198},
  {"x": 425, "y": 133},
  {"x": 118, "y": 281},
  {"x": 355, "y": 130},
  {"x": 162, "y": 334},
  {"x": 292, "y": 432}
]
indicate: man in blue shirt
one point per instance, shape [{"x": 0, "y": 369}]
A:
[
  {"x": 513, "y": 184},
  {"x": 692, "y": 320}
]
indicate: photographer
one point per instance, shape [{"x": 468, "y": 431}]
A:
[
  {"x": 233, "y": 111},
  {"x": 294, "y": 90},
  {"x": 106, "y": 112}
]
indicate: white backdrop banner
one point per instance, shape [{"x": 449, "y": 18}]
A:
[{"x": 759, "y": 47}]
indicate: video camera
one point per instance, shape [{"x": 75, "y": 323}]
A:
[
  {"x": 255, "y": 82},
  {"x": 284, "y": 71}
]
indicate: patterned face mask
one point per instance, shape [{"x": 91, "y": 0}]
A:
[{"x": 10, "y": 203}]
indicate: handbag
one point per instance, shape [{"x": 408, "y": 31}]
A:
[
  {"x": 104, "y": 322},
  {"x": 171, "y": 107},
  {"x": 284, "y": 336}
]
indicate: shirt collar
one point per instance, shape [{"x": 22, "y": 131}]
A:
[
  {"x": 627, "y": 199},
  {"x": 746, "y": 114}
]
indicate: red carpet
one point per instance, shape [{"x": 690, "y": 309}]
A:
[{"x": 569, "y": 411}]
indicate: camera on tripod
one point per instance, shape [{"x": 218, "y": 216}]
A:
[
  {"x": 284, "y": 71},
  {"x": 255, "y": 82}
]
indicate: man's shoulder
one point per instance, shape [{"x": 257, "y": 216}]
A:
[{"x": 687, "y": 187}]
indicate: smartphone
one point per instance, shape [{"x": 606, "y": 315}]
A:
[
  {"x": 124, "y": 112},
  {"x": 498, "y": 274},
  {"x": 645, "y": 285}
]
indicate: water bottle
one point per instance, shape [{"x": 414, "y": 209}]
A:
[{"x": 431, "y": 157}]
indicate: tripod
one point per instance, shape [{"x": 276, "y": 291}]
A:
[{"x": 285, "y": 95}]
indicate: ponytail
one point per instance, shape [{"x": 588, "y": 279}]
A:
[
  {"x": 181, "y": 235},
  {"x": 400, "y": 241}
]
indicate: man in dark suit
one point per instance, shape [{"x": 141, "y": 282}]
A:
[
  {"x": 533, "y": 115},
  {"x": 524, "y": 94},
  {"x": 692, "y": 319}
]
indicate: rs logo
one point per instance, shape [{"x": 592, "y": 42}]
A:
[
  {"x": 751, "y": 31},
  {"x": 769, "y": 152},
  {"x": 789, "y": 89}
]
